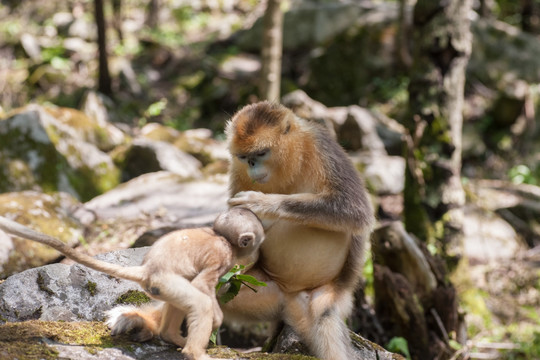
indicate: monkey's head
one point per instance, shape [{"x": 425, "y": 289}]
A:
[
  {"x": 241, "y": 227},
  {"x": 259, "y": 137}
]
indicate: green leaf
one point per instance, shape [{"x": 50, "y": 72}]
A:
[
  {"x": 236, "y": 279},
  {"x": 213, "y": 336},
  {"x": 157, "y": 108},
  {"x": 236, "y": 269},
  {"x": 400, "y": 345},
  {"x": 232, "y": 291},
  {"x": 225, "y": 278},
  {"x": 250, "y": 280},
  {"x": 455, "y": 345}
]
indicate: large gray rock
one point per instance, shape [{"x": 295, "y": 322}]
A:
[
  {"x": 355, "y": 127},
  {"x": 46, "y": 213},
  {"x": 509, "y": 52},
  {"x": 384, "y": 175},
  {"x": 358, "y": 131},
  {"x": 145, "y": 156},
  {"x": 194, "y": 202},
  {"x": 96, "y": 107},
  {"x": 311, "y": 24},
  {"x": 196, "y": 142},
  {"x": 133, "y": 352},
  {"x": 51, "y": 150},
  {"x": 289, "y": 342},
  {"x": 67, "y": 293}
]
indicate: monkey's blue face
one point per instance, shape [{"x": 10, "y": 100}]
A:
[{"x": 257, "y": 168}]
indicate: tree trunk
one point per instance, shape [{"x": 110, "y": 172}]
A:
[
  {"x": 117, "y": 19},
  {"x": 402, "y": 41},
  {"x": 104, "y": 85},
  {"x": 413, "y": 298},
  {"x": 485, "y": 8},
  {"x": 152, "y": 16},
  {"x": 271, "y": 52},
  {"x": 433, "y": 193},
  {"x": 530, "y": 20}
]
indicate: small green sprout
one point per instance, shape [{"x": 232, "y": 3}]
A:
[{"x": 235, "y": 279}]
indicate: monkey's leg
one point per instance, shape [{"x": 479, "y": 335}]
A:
[
  {"x": 169, "y": 329},
  {"x": 317, "y": 317},
  {"x": 206, "y": 282},
  {"x": 178, "y": 292}
]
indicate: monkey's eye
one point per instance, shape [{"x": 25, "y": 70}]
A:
[
  {"x": 242, "y": 157},
  {"x": 262, "y": 153}
]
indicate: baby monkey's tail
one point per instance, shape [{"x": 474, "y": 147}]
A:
[{"x": 133, "y": 273}]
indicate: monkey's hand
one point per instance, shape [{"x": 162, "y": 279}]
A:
[{"x": 258, "y": 202}]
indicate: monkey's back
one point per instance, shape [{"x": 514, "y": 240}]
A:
[{"x": 187, "y": 252}]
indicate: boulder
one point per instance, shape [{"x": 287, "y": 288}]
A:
[
  {"x": 310, "y": 24},
  {"x": 355, "y": 127},
  {"x": 60, "y": 296},
  {"x": 49, "y": 214},
  {"x": 384, "y": 175},
  {"x": 358, "y": 131},
  {"x": 145, "y": 156},
  {"x": 158, "y": 132},
  {"x": 200, "y": 144},
  {"x": 289, "y": 342},
  {"x": 195, "y": 142},
  {"x": 193, "y": 202},
  {"x": 60, "y": 292},
  {"x": 507, "y": 49},
  {"x": 34, "y": 138},
  {"x": 489, "y": 237},
  {"x": 101, "y": 132},
  {"x": 307, "y": 108},
  {"x": 516, "y": 205}
]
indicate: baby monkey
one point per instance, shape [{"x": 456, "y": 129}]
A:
[{"x": 181, "y": 269}]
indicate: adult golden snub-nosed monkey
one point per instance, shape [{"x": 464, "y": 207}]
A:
[
  {"x": 182, "y": 270},
  {"x": 317, "y": 217}
]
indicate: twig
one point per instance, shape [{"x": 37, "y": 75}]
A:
[
  {"x": 497, "y": 346},
  {"x": 484, "y": 356},
  {"x": 440, "y": 324}
]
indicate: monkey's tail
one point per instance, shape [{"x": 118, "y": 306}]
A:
[{"x": 133, "y": 273}]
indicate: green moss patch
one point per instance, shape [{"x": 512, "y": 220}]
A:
[
  {"x": 133, "y": 297},
  {"x": 91, "y": 287},
  {"x": 21, "y": 340}
]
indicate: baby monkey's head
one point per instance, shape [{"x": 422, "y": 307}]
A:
[{"x": 241, "y": 227}]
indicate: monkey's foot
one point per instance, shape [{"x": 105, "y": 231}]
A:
[
  {"x": 175, "y": 339},
  {"x": 204, "y": 356},
  {"x": 127, "y": 320}
]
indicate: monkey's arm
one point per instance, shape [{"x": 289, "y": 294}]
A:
[
  {"x": 134, "y": 273},
  {"x": 326, "y": 211}
]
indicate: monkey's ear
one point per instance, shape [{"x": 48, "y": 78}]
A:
[
  {"x": 245, "y": 239},
  {"x": 286, "y": 127}
]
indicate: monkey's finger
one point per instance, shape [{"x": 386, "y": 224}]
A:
[{"x": 239, "y": 203}]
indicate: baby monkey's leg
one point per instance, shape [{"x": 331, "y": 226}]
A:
[
  {"x": 206, "y": 282},
  {"x": 178, "y": 293},
  {"x": 171, "y": 320}
]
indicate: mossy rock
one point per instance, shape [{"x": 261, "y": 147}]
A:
[
  {"x": 44, "y": 213},
  {"x": 158, "y": 132},
  {"x": 41, "y": 152},
  {"x": 104, "y": 136},
  {"x": 31, "y": 340},
  {"x": 196, "y": 142},
  {"x": 67, "y": 340}
]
